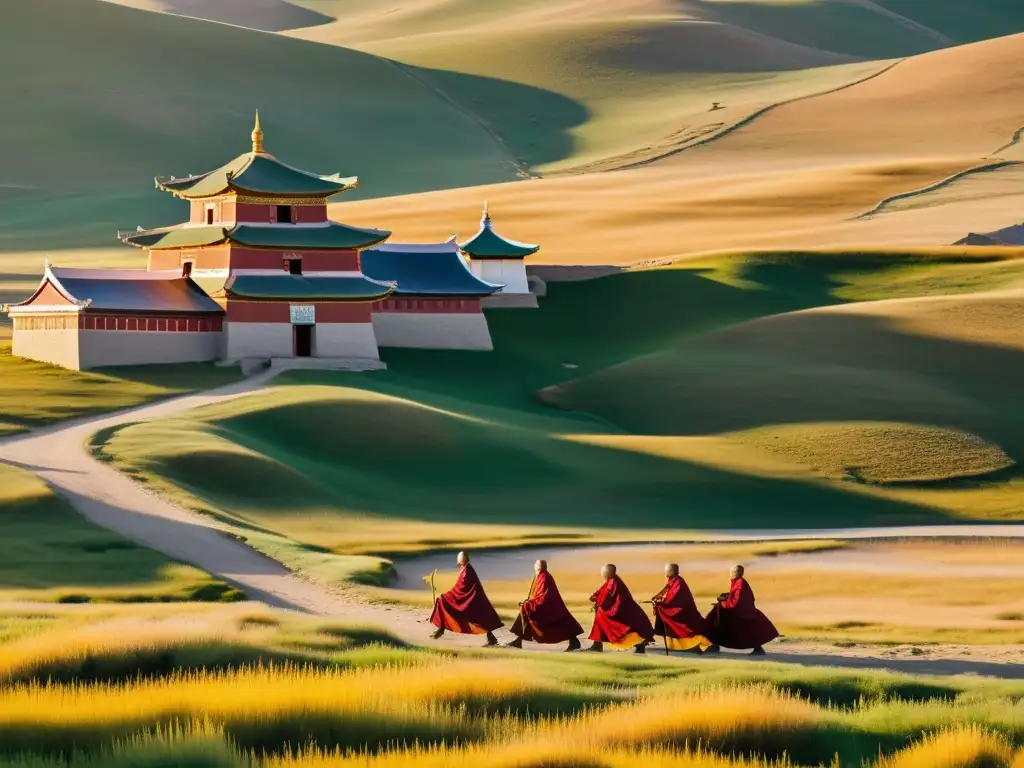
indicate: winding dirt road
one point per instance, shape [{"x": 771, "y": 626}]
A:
[{"x": 60, "y": 457}]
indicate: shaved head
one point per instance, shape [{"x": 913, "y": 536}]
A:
[
  {"x": 737, "y": 571},
  {"x": 672, "y": 569},
  {"x": 462, "y": 559},
  {"x": 608, "y": 571},
  {"x": 540, "y": 566}
]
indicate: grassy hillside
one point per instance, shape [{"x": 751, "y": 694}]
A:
[
  {"x": 37, "y": 394},
  {"x": 664, "y": 425},
  {"x": 50, "y": 553},
  {"x": 800, "y": 173},
  {"x": 117, "y": 96}
]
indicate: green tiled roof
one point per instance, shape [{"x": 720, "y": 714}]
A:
[
  {"x": 303, "y": 288},
  {"x": 333, "y": 235},
  {"x": 259, "y": 174},
  {"x": 298, "y": 236},
  {"x": 176, "y": 237},
  {"x": 488, "y": 244}
]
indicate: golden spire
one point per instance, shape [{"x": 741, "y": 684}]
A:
[{"x": 257, "y": 136}]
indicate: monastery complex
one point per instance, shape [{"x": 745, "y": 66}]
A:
[{"x": 259, "y": 273}]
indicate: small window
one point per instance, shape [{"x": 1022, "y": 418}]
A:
[
  {"x": 284, "y": 214},
  {"x": 186, "y": 269},
  {"x": 295, "y": 267},
  {"x": 209, "y": 216}
]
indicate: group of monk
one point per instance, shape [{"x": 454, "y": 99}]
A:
[{"x": 619, "y": 621}]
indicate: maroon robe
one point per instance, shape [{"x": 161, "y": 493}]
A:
[
  {"x": 677, "y": 616},
  {"x": 465, "y": 608},
  {"x": 736, "y": 623},
  {"x": 544, "y": 617},
  {"x": 619, "y": 621}
]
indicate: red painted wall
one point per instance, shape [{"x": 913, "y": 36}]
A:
[
  {"x": 160, "y": 323},
  {"x": 214, "y": 257},
  {"x": 430, "y": 306},
  {"x": 261, "y": 213},
  {"x": 279, "y": 312},
  {"x": 312, "y": 261}
]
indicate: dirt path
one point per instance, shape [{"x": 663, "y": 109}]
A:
[{"x": 59, "y": 456}]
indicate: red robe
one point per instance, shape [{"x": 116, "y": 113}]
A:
[
  {"x": 465, "y": 608},
  {"x": 677, "y": 618},
  {"x": 736, "y": 623},
  {"x": 619, "y": 621},
  {"x": 544, "y": 617}
]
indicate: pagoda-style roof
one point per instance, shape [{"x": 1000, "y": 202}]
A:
[
  {"x": 328, "y": 236},
  {"x": 125, "y": 290},
  {"x": 488, "y": 244},
  {"x": 425, "y": 270},
  {"x": 351, "y": 287},
  {"x": 260, "y": 174}
]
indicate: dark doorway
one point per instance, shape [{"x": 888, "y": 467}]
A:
[
  {"x": 209, "y": 216},
  {"x": 295, "y": 267},
  {"x": 304, "y": 340},
  {"x": 284, "y": 214},
  {"x": 186, "y": 269}
]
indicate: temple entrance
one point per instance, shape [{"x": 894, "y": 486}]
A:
[{"x": 304, "y": 340}]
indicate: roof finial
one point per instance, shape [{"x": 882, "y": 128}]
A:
[
  {"x": 257, "y": 136},
  {"x": 485, "y": 220}
]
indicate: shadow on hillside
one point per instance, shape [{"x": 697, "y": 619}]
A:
[
  {"x": 844, "y": 28},
  {"x": 101, "y": 116},
  {"x": 535, "y": 124},
  {"x": 398, "y": 462},
  {"x": 813, "y": 368}
]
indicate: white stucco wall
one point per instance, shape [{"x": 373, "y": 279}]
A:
[
  {"x": 102, "y": 349},
  {"x": 57, "y": 347},
  {"x": 508, "y": 272},
  {"x": 348, "y": 340},
  {"x": 432, "y": 331},
  {"x": 257, "y": 340}
]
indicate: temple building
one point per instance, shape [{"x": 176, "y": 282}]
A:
[
  {"x": 436, "y": 303},
  {"x": 259, "y": 273},
  {"x": 501, "y": 261}
]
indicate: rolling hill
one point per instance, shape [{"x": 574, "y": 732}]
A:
[
  {"x": 746, "y": 390},
  {"x": 87, "y": 127}
]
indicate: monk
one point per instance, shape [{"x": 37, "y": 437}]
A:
[
  {"x": 618, "y": 621},
  {"x": 676, "y": 617},
  {"x": 465, "y": 608},
  {"x": 544, "y": 618},
  {"x": 735, "y": 622}
]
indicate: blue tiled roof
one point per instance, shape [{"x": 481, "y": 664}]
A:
[{"x": 425, "y": 270}]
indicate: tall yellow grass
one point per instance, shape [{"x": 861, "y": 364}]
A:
[
  {"x": 966, "y": 747},
  {"x": 425, "y": 689},
  {"x": 516, "y": 754}
]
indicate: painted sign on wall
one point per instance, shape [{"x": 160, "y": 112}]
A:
[{"x": 303, "y": 314}]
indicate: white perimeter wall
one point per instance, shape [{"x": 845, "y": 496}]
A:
[
  {"x": 350, "y": 340},
  {"x": 57, "y": 347},
  {"x": 432, "y": 331},
  {"x": 508, "y": 272},
  {"x": 101, "y": 349},
  {"x": 273, "y": 340},
  {"x": 257, "y": 340}
]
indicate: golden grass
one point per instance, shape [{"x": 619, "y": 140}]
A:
[
  {"x": 551, "y": 753},
  {"x": 964, "y": 747},
  {"x": 255, "y": 692}
]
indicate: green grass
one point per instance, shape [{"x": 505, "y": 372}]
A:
[
  {"x": 50, "y": 553},
  {"x": 34, "y": 394},
  {"x": 306, "y": 472},
  {"x": 107, "y": 114}
]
